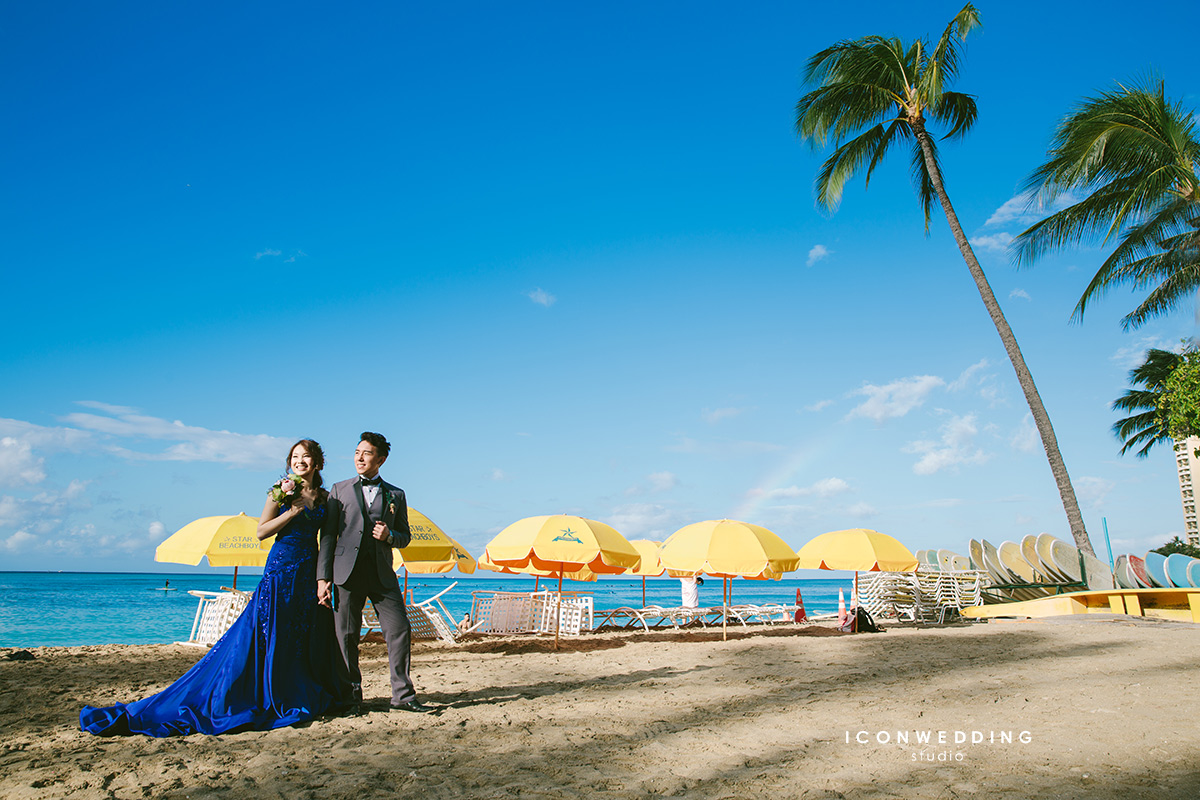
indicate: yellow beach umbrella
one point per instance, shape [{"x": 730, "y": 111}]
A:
[
  {"x": 727, "y": 548},
  {"x": 584, "y": 574},
  {"x": 430, "y": 550},
  {"x": 225, "y": 541},
  {"x": 560, "y": 545},
  {"x": 651, "y": 565},
  {"x": 859, "y": 549}
]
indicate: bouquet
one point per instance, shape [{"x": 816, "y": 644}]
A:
[{"x": 286, "y": 489}]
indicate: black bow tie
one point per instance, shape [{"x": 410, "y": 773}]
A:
[{"x": 371, "y": 481}]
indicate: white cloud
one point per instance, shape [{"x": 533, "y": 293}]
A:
[
  {"x": 964, "y": 379},
  {"x": 818, "y": 252},
  {"x": 1133, "y": 355},
  {"x": 1025, "y": 438},
  {"x": 18, "y": 464},
  {"x": 1021, "y": 293},
  {"x": 713, "y": 416},
  {"x": 267, "y": 252},
  {"x": 157, "y": 529},
  {"x": 995, "y": 242},
  {"x": 820, "y": 405},
  {"x": 662, "y": 481},
  {"x": 894, "y": 399},
  {"x": 498, "y": 475},
  {"x": 190, "y": 443},
  {"x": 1024, "y": 210},
  {"x": 862, "y": 511},
  {"x": 541, "y": 297},
  {"x": 643, "y": 521},
  {"x": 826, "y": 487},
  {"x": 1092, "y": 491},
  {"x": 19, "y": 541},
  {"x": 954, "y": 448}
]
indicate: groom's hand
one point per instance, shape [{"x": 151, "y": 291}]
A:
[
  {"x": 380, "y": 531},
  {"x": 325, "y": 593}
]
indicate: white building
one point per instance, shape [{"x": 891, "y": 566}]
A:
[{"x": 1189, "y": 466}]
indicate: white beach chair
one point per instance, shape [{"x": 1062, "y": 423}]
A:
[
  {"x": 216, "y": 612},
  {"x": 428, "y": 619}
]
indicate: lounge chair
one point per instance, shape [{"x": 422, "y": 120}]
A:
[
  {"x": 428, "y": 619},
  {"x": 216, "y": 612}
]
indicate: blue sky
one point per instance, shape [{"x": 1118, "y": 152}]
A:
[{"x": 566, "y": 258}]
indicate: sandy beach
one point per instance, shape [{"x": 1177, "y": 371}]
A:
[{"x": 1071, "y": 708}]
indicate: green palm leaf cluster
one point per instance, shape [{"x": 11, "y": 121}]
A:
[
  {"x": 891, "y": 89},
  {"x": 1135, "y": 155},
  {"x": 1144, "y": 429},
  {"x": 876, "y": 93}
]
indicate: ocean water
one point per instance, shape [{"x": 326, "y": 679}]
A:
[{"x": 86, "y": 608}]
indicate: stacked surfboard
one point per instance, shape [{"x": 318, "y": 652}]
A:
[
  {"x": 1175, "y": 571},
  {"x": 1037, "y": 566}
]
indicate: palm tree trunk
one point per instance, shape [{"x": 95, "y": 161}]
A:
[{"x": 1040, "y": 418}]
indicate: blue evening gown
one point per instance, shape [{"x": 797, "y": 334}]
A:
[{"x": 278, "y": 664}]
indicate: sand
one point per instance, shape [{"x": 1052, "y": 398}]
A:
[{"x": 1095, "y": 709}]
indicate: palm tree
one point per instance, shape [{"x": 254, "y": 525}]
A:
[
  {"x": 1144, "y": 428},
  {"x": 1136, "y": 155},
  {"x": 894, "y": 90}
]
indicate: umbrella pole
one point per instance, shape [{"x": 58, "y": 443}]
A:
[
  {"x": 725, "y": 609},
  {"x": 235, "y": 577},
  {"x": 643, "y": 591},
  {"x": 558, "y": 611},
  {"x": 406, "y": 597}
]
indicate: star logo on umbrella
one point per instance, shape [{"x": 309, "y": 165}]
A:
[{"x": 567, "y": 535}]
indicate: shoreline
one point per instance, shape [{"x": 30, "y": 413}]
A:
[{"x": 770, "y": 713}]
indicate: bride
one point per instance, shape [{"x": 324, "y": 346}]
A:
[{"x": 279, "y": 663}]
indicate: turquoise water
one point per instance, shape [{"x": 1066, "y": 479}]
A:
[{"x": 83, "y": 608}]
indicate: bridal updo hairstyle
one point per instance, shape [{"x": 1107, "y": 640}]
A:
[{"x": 318, "y": 457}]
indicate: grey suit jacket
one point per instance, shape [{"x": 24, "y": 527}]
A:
[{"x": 343, "y": 532}]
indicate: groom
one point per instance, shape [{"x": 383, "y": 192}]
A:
[{"x": 366, "y": 518}]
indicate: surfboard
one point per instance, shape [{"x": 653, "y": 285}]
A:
[
  {"x": 1177, "y": 569},
  {"x": 1124, "y": 574},
  {"x": 946, "y": 559},
  {"x": 1156, "y": 566},
  {"x": 1029, "y": 551},
  {"x": 1045, "y": 544},
  {"x": 1012, "y": 558},
  {"x": 1066, "y": 559},
  {"x": 1194, "y": 573},
  {"x": 961, "y": 563},
  {"x": 975, "y": 551},
  {"x": 1138, "y": 567},
  {"x": 1099, "y": 576}
]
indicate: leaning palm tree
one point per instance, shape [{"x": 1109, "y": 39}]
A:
[
  {"x": 1135, "y": 155},
  {"x": 1145, "y": 428},
  {"x": 894, "y": 90}
]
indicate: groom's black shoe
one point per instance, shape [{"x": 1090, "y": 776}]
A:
[{"x": 415, "y": 706}]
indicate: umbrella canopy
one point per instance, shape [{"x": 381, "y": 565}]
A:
[
  {"x": 226, "y": 541},
  {"x": 431, "y": 549},
  {"x": 561, "y": 544},
  {"x": 726, "y": 548},
  {"x": 651, "y": 566},
  {"x": 429, "y": 542},
  {"x": 584, "y": 574},
  {"x": 857, "y": 549},
  {"x": 459, "y": 557}
]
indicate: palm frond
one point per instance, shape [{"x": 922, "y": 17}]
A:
[
  {"x": 848, "y": 159},
  {"x": 943, "y": 60},
  {"x": 957, "y": 110}
]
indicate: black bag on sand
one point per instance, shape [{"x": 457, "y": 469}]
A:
[{"x": 865, "y": 622}]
